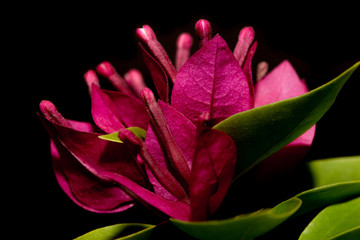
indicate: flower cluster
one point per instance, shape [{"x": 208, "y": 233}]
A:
[{"x": 167, "y": 155}]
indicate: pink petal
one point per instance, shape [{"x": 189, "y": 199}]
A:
[
  {"x": 203, "y": 183},
  {"x": 112, "y": 110},
  {"x": 96, "y": 154},
  {"x": 84, "y": 188},
  {"x": 212, "y": 172},
  {"x": 174, "y": 209},
  {"x": 280, "y": 84},
  {"x": 83, "y": 126},
  {"x": 77, "y": 158},
  {"x": 132, "y": 110},
  {"x": 211, "y": 81}
]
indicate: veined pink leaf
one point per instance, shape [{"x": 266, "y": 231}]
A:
[{"x": 211, "y": 81}]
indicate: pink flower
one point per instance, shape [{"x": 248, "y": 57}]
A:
[{"x": 183, "y": 167}]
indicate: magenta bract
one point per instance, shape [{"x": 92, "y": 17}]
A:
[{"x": 183, "y": 167}]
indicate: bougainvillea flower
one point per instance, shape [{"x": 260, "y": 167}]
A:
[{"x": 183, "y": 167}]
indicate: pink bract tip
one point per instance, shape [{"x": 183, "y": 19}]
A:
[
  {"x": 184, "y": 41},
  {"x": 145, "y": 33},
  {"x": 106, "y": 69},
  {"x": 147, "y": 96}
]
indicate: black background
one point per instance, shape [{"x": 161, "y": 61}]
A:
[{"x": 51, "y": 47}]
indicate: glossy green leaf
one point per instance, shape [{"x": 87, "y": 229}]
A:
[
  {"x": 351, "y": 234},
  {"x": 114, "y": 137},
  {"x": 247, "y": 226},
  {"x": 262, "y": 131},
  {"x": 124, "y": 231},
  {"x": 334, "y": 170},
  {"x": 338, "y": 221},
  {"x": 327, "y": 195}
]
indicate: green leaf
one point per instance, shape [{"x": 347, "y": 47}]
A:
[
  {"x": 339, "y": 221},
  {"x": 114, "y": 137},
  {"x": 246, "y": 226},
  {"x": 327, "y": 195},
  {"x": 334, "y": 170},
  {"x": 141, "y": 133},
  {"x": 262, "y": 131},
  {"x": 124, "y": 231}
]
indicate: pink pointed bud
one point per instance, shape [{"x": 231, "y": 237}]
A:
[
  {"x": 107, "y": 70},
  {"x": 246, "y": 37},
  {"x": 184, "y": 44},
  {"x": 203, "y": 30},
  {"x": 49, "y": 110},
  {"x": 147, "y": 36},
  {"x": 90, "y": 78},
  {"x": 135, "y": 80},
  {"x": 161, "y": 129},
  {"x": 261, "y": 71}
]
